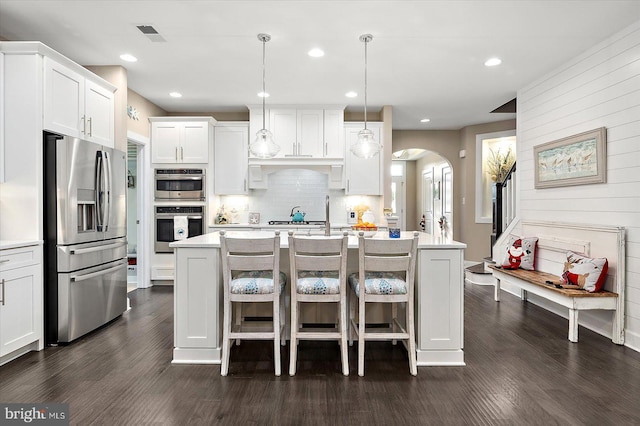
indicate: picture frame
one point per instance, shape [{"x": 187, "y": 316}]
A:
[{"x": 575, "y": 160}]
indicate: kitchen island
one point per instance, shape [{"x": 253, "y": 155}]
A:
[{"x": 198, "y": 296}]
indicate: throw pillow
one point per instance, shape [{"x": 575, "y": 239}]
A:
[
  {"x": 587, "y": 273},
  {"x": 521, "y": 253}
]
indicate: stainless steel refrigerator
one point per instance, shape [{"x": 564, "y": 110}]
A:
[{"x": 85, "y": 236}]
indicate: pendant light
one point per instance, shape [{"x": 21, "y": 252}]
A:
[
  {"x": 264, "y": 146},
  {"x": 365, "y": 146}
]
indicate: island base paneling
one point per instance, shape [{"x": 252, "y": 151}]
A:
[{"x": 198, "y": 304}]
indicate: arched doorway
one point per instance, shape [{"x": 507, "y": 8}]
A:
[{"x": 423, "y": 193}]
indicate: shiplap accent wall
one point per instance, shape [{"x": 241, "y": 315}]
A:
[{"x": 601, "y": 87}]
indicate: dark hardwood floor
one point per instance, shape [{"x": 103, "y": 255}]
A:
[{"x": 521, "y": 370}]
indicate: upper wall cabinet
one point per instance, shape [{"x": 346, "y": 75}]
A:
[
  {"x": 231, "y": 158},
  {"x": 77, "y": 106},
  {"x": 302, "y": 132},
  {"x": 176, "y": 140},
  {"x": 363, "y": 176}
]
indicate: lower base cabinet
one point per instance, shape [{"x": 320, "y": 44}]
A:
[{"x": 21, "y": 306}]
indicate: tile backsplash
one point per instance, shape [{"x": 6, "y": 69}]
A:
[{"x": 296, "y": 187}]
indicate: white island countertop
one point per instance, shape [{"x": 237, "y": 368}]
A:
[{"x": 212, "y": 239}]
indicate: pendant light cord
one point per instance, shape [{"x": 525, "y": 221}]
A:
[
  {"x": 264, "y": 93},
  {"x": 366, "y": 41}
]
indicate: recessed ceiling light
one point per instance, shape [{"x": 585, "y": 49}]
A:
[
  {"x": 263, "y": 94},
  {"x": 351, "y": 94},
  {"x": 175, "y": 95},
  {"x": 128, "y": 57},
  {"x": 492, "y": 62},
  {"x": 316, "y": 53},
  {"x": 425, "y": 120}
]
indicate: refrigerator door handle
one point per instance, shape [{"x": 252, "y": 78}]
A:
[
  {"x": 82, "y": 277},
  {"x": 97, "y": 248},
  {"x": 108, "y": 180},
  {"x": 99, "y": 192}
]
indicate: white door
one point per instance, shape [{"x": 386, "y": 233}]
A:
[
  {"x": 427, "y": 201},
  {"x": 447, "y": 198}
]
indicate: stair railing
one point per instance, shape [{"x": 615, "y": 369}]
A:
[{"x": 504, "y": 204}]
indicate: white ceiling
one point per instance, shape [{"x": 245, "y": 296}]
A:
[{"x": 426, "y": 58}]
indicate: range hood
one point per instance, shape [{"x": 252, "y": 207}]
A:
[{"x": 260, "y": 169}]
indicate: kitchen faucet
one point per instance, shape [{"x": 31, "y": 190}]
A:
[{"x": 327, "y": 225}]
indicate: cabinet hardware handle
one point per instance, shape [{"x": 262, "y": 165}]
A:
[
  {"x": 90, "y": 126},
  {"x": 245, "y": 185},
  {"x": 294, "y": 148},
  {"x": 348, "y": 186},
  {"x": 326, "y": 149},
  {"x": 5, "y": 260},
  {"x": 3, "y": 286},
  {"x": 84, "y": 125},
  {"x": 182, "y": 153},
  {"x": 176, "y": 153}
]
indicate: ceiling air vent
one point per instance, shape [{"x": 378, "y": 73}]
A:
[{"x": 151, "y": 33}]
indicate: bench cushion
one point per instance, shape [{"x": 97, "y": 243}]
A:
[
  {"x": 521, "y": 253},
  {"x": 587, "y": 273}
]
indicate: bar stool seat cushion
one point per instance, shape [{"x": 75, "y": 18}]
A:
[
  {"x": 379, "y": 283},
  {"x": 255, "y": 282},
  {"x": 318, "y": 282}
]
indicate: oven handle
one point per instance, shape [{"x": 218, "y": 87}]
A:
[
  {"x": 175, "y": 177},
  {"x": 171, "y": 215}
]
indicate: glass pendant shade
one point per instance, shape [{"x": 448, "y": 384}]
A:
[
  {"x": 263, "y": 146},
  {"x": 365, "y": 146}
]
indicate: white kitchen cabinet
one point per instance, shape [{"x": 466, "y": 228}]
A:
[
  {"x": 363, "y": 176},
  {"x": 302, "y": 132},
  {"x": 231, "y": 158},
  {"x": 77, "y": 106},
  {"x": 310, "y": 133},
  {"x": 197, "y": 335},
  {"x": 21, "y": 306},
  {"x": 283, "y": 126},
  {"x": 177, "y": 140},
  {"x": 334, "y": 133},
  {"x": 2, "y": 153}
]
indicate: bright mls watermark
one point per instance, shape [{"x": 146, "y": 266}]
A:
[{"x": 36, "y": 414}]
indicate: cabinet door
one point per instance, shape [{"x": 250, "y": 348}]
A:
[
  {"x": 364, "y": 176},
  {"x": 99, "y": 111},
  {"x": 283, "y": 127},
  {"x": 165, "y": 139},
  {"x": 196, "y": 299},
  {"x": 334, "y": 133},
  {"x": 20, "y": 312},
  {"x": 310, "y": 133},
  {"x": 194, "y": 143},
  {"x": 63, "y": 100},
  {"x": 230, "y": 159}
]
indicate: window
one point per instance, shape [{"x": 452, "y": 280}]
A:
[{"x": 495, "y": 152}]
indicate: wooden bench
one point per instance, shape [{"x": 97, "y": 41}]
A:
[{"x": 554, "y": 240}]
